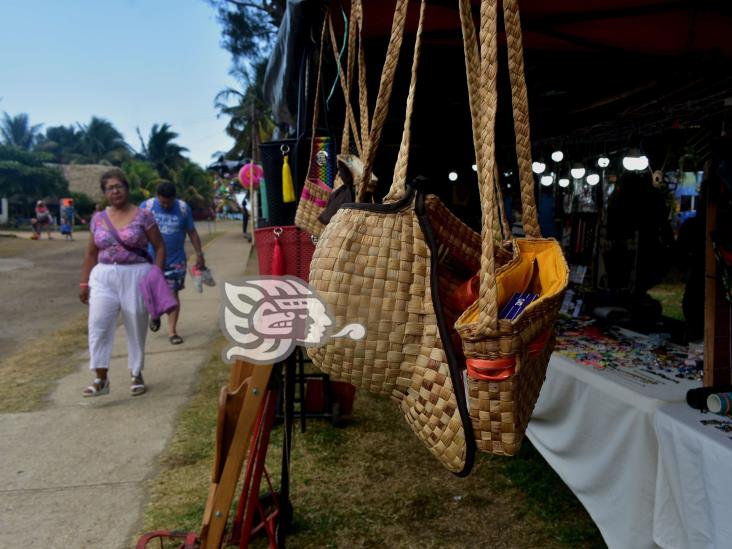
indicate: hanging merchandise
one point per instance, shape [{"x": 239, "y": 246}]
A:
[
  {"x": 288, "y": 189},
  {"x": 250, "y": 175},
  {"x": 284, "y": 251},
  {"x": 278, "y": 260},
  {"x": 373, "y": 266},
  {"x": 321, "y": 178},
  {"x": 500, "y": 409},
  {"x": 394, "y": 268}
]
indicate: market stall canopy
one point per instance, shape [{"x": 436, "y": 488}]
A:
[{"x": 585, "y": 61}]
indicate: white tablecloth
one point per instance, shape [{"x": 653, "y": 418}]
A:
[
  {"x": 694, "y": 483},
  {"x": 595, "y": 429}
]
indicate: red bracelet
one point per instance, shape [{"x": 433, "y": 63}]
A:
[{"x": 83, "y": 284}]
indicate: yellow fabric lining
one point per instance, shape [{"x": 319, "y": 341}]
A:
[{"x": 546, "y": 254}]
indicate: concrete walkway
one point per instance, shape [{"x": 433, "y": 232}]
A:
[{"x": 73, "y": 474}]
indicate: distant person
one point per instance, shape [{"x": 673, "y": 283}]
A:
[
  {"x": 175, "y": 221},
  {"x": 116, "y": 260},
  {"x": 245, "y": 218},
  {"x": 42, "y": 220},
  {"x": 68, "y": 217}
]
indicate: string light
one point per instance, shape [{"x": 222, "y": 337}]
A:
[
  {"x": 475, "y": 167},
  {"x": 603, "y": 162},
  {"x": 578, "y": 170},
  {"x": 635, "y": 161},
  {"x": 452, "y": 176},
  {"x": 557, "y": 156},
  {"x": 547, "y": 180},
  {"x": 538, "y": 167},
  {"x": 564, "y": 182},
  {"x": 593, "y": 179}
]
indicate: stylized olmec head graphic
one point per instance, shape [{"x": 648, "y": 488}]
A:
[{"x": 266, "y": 317}]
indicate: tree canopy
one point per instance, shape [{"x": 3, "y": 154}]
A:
[
  {"x": 248, "y": 32},
  {"x": 24, "y": 173},
  {"x": 17, "y": 131}
]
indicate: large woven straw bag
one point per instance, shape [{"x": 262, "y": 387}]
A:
[
  {"x": 500, "y": 408},
  {"x": 379, "y": 265}
]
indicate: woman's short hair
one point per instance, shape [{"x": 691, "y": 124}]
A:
[{"x": 113, "y": 173}]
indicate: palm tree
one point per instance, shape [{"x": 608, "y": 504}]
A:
[
  {"x": 17, "y": 131},
  {"x": 195, "y": 185},
  {"x": 160, "y": 150},
  {"x": 102, "y": 142},
  {"x": 64, "y": 143},
  {"x": 250, "y": 121}
]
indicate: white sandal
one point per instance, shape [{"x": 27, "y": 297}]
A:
[{"x": 98, "y": 388}]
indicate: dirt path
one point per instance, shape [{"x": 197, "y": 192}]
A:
[
  {"x": 40, "y": 285},
  {"x": 39, "y": 281}
]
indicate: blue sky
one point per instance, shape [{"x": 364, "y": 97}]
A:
[{"x": 134, "y": 62}]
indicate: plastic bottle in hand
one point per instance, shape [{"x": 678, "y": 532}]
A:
[{"x": 197, "y": 278}]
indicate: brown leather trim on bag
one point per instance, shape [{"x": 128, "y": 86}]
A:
[
  {"x": 392, "y": 207},
  {"x": 458, "y": 386}
]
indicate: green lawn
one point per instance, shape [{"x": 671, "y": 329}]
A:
[{"x": 373, "y": 484}]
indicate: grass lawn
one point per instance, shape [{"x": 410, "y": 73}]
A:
[
  {"x": 373, "y": 484},
  {"x": 670, "y": 296},
  {"x": 30, "y": 374}
]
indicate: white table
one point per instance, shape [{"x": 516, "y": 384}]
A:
[
  {"x": 595, "y": 429},
  {"x": 694, "y": 481}
]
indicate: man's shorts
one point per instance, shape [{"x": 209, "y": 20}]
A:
[{"x": 175, "y": 276}]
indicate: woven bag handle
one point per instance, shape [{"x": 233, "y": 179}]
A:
[
  {"x": 520, "y": 103},
  {"x": 354, "y": 32},
  {"x": 382, "y": 99},
  {"x": 398, "y": 183},
  {"x": 483, "y": 99},
  {"x": 316, "y": 106}
]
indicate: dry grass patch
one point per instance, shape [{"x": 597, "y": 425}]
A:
[
  {"x": 30, "y": 374},
  {"x": 373, "y": 484}
]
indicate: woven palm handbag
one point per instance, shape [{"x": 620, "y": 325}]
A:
[
  {"x": 377, "y": 264},
  {"x": 506, "y": 359}
]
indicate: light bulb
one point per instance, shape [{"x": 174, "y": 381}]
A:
[
  {"x": 547, "y": 180},
  {"x": 557, "y": 156},
  {"x": 475, "y": 167},
  {"x": 593, "y": 179},
  {"x": 564, "y": 182},
  {"x": 578, "y": 170},
  {"x": 538, "y": 167},
  {"x": 635, "y": 161},
  {"x": 603, "y": 162},
  {"x": 452, "y": 176}
]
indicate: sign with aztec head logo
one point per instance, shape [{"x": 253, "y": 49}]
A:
[{"x": 266, "y": 317}]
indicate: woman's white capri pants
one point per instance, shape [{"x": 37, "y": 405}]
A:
[{"x": 113, "y": 288}]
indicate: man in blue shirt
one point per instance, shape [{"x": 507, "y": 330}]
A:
[{"x": 175, "y": 222}]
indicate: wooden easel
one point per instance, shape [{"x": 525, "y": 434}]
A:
[{"x": 239, "y": 405}]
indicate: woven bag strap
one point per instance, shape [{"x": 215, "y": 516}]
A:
[
  {"x": 520, "y": 102},
  {"x": 476, "y": 99},
  {"x": 382, "y": 99},
  {"x": 346, "y": 78},
  {"x": 363, "y": 97},
  {"x": 316, "y": 106},
  {"x": 398, "y": 183}
]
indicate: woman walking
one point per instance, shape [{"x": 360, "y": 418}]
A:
[
  {"x": 42, "y": 220},
  {"x": 116, "y": 260}
]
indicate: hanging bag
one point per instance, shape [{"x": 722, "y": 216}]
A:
[
  {"x": 506, "y": 358},
  {"x": 380, "y": 265}
]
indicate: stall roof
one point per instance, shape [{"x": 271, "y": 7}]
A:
[{"x": 592, "y": 65}]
